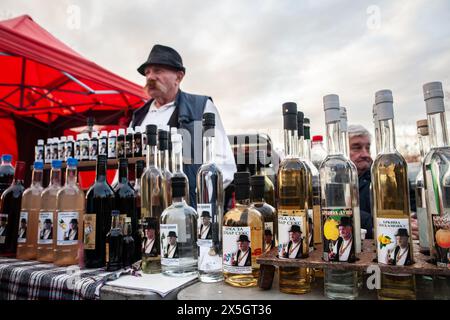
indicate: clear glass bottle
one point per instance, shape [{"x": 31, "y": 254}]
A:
[
  {"x": 210, "y": 204},
  {"x": 6, "y": 173},
  {"x": 318, "y": 152},
  {"x": 69, "y": 217},
  {"x": 178, "y": 228},
  {"x": 47, "y": 215},
  {"x": 112, "y": 144},
  {"x": 243, "y": 237},
  {"x": 392, "y": 207},
  {"x": 163, "y": 146},
  {"x": 48, "y": 151},
  {"x": 29, "y": 216},
  {"x": 269, "y": 188},
  {"x": 340, "y": 223},
  {"x": 129, "y": 143},
  {"x": 177, "y": 160},
  {"x": 376, "y": 126},
  {"x": 139, "y": 167},
  {"x": 93, "y": 146},
  {"x": 114, "y": 243},
  {"x": 293, "y": 192}
]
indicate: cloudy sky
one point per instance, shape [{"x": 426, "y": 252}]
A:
[{"x": 253, "y": 55}]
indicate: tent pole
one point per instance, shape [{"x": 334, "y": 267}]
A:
[{"x": 22, "y": 82}]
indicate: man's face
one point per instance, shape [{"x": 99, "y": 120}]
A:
[
  {"x": 295, "y": 236},
  {"x": 243, "y": 245},
  {"x": 206, "y": 221},
  {"x": 72, "y": 226},
  {"x": 402, "y": 241},
  {"x": 360, "y": 153},
  {"x": 172, "y": 240},
  {"x": 47, "y": 226},
  {"x": 161, "y": 81},
  {"x": 150, "y": 233},
  {"x": 2, "y": 223},
  {"x": 345, "y": 232},
  {"x": 268, "y": 238}
]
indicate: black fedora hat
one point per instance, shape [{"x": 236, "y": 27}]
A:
[
  {"x": 165, "y": 56},
  {"x": 267, "y": 232},
  {"x": 48, "y": 221},
  {"x": 345, "y": 222},
  {"x": 295, "y": 228},
  {"x": 74, "y": 221},
  {"x": 243, "y": 238},
  {"x": 172, "y": 234},
  {"x": 205, "y": 214},
  {"x": 402, "y": 232}
]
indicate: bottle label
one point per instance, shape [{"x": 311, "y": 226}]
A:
[
  {"x": 84, "y": 150},
  {"x": 120, "y": 149},
  {"x": 107, "y": 252},
  {"x": 112, "y": 147},
  {"x": 45, "y": 228},
  {"x": 269, "y": 241},
  {"x": 338, "y": 235},
  {"x": 210, "y": 259},
  {"x": 3, "y": 227},
  {"x": 441, "y": 233},
  {"x": 169, "y": 245},
  {"x": 39, "y": 153},
  {"x": 137, "y": 145},
  {"x": 237, "y": 250},
  {"x": 55, "y": 152},
  {"x": 61, "y": 151},
  {"x": 93, "y": 149},
  {"x": 23, "y": 226},
  {"x": 393, "y": 239},
  {"x": 89, "y": 231},
  {"x": 311, "y": 230},
  {"x": 204, "y": 227},
  {"x": 67, "y": 233},
  {"x": 69, "y": 150},
  {"x": 48, "y": 154},
  {"x": 129, "y": 146},
  {"x": 103, "y": 147},
  {"x": 77, "y": 150},
  {"x": 292, "y": 234}
]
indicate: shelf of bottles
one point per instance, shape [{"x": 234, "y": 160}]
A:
[{"x": 90, "y": 164}]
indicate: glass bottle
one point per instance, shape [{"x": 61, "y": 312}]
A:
[
  {"x": 6, "y": 173},
  {"x": 93, "y": 146},
  {"x": 129, "y": 143},
  {"x": 100, "y": 201},
  {"x": 341, "y": 227},
  {"x": 376, "y": 126},
  {"x": 243, "y": 237},
  {"x": 163, "y": 144},
  {"x": 39, "y": 151},
  {"x": 120, "y": 144},
  {"x": 293, "y": 192},
  {"x": 103, "y": 143},
  {"x": 210, "y": 203},
  {"x": 177, "y": 160},
  {"x": 29, "y": 215},
  {"x": 318, "y": 152},
  {"x": 10, "y": 211},
  {"x": 137, "y": 143},
  {"x": 269, "y": 188},
  {"x": 129, "y": 245},
  {"x": 391, "y": 203},
  {"x": 178, "y": 227},
  {"x": 68, "y": 221},
  {"x": 84, "y": 145},
  {"x": 112, "y": 144},
  {"x": 344, "y": 131},
  {"x": 77, "y": 147},
  {"x": 62, "y": 148},
  {"x": 114, "y": 243},
  {"x": 55, "y": 148},
  {"x": 140, "y": 164}
]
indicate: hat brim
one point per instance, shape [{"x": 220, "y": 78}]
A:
[{"x": 141, "y": 69}]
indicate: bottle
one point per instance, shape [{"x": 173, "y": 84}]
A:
[
  {"x": 178, "y": 227},
  {"x": 69, "y": 148},
  {"x": 391, "y": 203},
  {"x": 152, "y": 205},
  {"x": 376, "y": 126},
  {"x": 120, "y": 146},
  {"x": 100, "y": 201},
  {"x": 163, "y": 144},
  {"x": 318, "y": 152},
  {"x": 144, "y": 140},
  {"x": 70, "y": 203},
  {"x": 341, "y": 227},
  {"x": 210, "y": 202},
  {"x": 126, "y": 199},
  {"x": 129, "y": 147},
  {"x": 344, "y": 132},
  {"x": 103, "y": 143},
  {"x": 293, "y": 192},
  {"x": 62, "y": 148},
  {"x": 84, "y": 144},
  {"x": 269, "y": 188},
  {"x": 114, "y": 243},
  {"x": 137, "y": 143},
  {"x": 112, "y": 144},
  {"x": 55, "y": 152},
  {"x": 46, "y": 240},
  {"x": 39, "y": 151},
  {"x": 6, "y": 173},
  {"x": 437, "y": 175},
  {"x": 93, "y": 146},
  {"x": 48, "y": 151},
  {"x": 177, "y": 161},
  {"x": 78, "y": 147},
  {"x": 243, "y": 237},
  {"x": 128, "y": 245},
  {"x": 139, "y": 167}
]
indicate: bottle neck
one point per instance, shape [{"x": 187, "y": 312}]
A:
[
  {"x": 345, "y": 144},
  {"x": 257, "y": 194},
  {"x": 128, "y": 229},
  {"x": 308, "y": 149},
  {"x": 424, "y": 144},
  {"x": 101, "y": 171},
  {"x": 36, "y": 180},
  {"x": 152, "y": 156},
  {"x": 387, "y": 135},
  {"x": 301, "y": 147},
  {"x": 178, "y": 199},
  {"x": 55, "y": 178},
  {"x": 290, "y": 142},
  {"x": 71, "y": 176},
  {"x": 208, "y": 149},
  {"x": 123, "y": 174},
  {"x": 164, "y": 159},
  {"x": 437, "y": 130},
  {"x": 334, "y": 138},
  {"x": 177, "y": 157},
  {"x": 243, "y": 202}
]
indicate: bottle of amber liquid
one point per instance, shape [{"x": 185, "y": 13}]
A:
[
  {"x": 243, "y": 237},
  {"x": 47, "y": 216},
  {"x": 70, "y": 205},
  {"x": 28, "y": 220}
]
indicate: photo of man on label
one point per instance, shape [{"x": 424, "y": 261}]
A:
[
  {"x": 269, "y": 242},
  {"x": 343, "y": 249},
  {"x": 205, "y": 231},
  {"x": 400, "y": 255},
  {"x": 171, "y": 251},
  {"x": 294, "y": 249},
  {"x": 72, "y": 233},
  {"x": 47, "y": 230},
  {"x": 150, "y": 243},
  {"x": 243, "y": 256}
]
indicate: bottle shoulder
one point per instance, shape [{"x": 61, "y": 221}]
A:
[
  {"x": 100, "y": 190},
  {"x": 441, "y": 155},
  {"x": 293, "y": 164},
  {"x": 179, "y": 209},
  {"x": 389, "y": 159},
  {"x": 242, "y": 215}
]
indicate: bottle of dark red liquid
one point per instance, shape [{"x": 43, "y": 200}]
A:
[
  {"x": 6, "y": 173},
  {"x": 10, "y": 206}
]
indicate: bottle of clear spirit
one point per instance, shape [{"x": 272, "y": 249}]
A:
[
  {"x": 293, "y": 192},
  {"x": 163, "y": 145},
  {"x": 47, "y": 216},
  {"x": 376, "y": 126},
  {"x": 391, "y": 203},
  {"x": 114, "y": 243},
  {"x": 243, "y": 237},
  {"x": 340, "y": 223},
  {"x": 140, "y": 165},
  {"x": 210, "y": 204},
  {"x": 178, "y": 228},
  {"x": 177, "y": 159},
  {"x": 29, "y": 216}
]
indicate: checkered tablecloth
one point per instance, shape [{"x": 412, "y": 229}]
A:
[{"x": 33, "y": 280}]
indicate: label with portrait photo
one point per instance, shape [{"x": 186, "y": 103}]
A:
[
  {"x": 237, "y": 250},
  {"x": 89, "y": 230},
  {"x": 169, "y": 245},
  {"x": 393, "y": 239},
  {"x": 23, "y": 226},
  {"x": 338, "y": 235},
  {"x": 67, "y": 233},
  {"x": 3, "y": 227},
  {"x": 292, "y": 234},
  {"x": 45, "y": 228}
]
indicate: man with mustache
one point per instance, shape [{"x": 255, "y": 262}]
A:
[{"x": 170, "y": 106}]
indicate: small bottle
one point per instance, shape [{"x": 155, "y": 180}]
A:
[
  {"x": 55, "y": 145},
  {"x": 62, "y": 148},
  {"x": 48, "y": 151},
  {"x": 114, "y": 243},
  {"x": 29, "y": 216},
  {"x": 137, "y": 142},
  {"x": 39, "y": 151},
  {"x": 84, "y": 147},
  {"x": 77, "y": 147},
  {"x": 129, "y": 246},
  {"x": 112, "y": 144},
  {"x": 243, "y": 237},
  {"x": 178, "y": 229},
  {"x": 120, "y": 149},
  {"x": 69, "y": 148},
  {"x": 103, "y": 143},
  {"x": 6, "y": 173},
  {"x": 163, "y": 144},
  {"x": 318, "y": 152},
  {"x": 93, "y": 146},
  {"x": 129, "y": 148}
]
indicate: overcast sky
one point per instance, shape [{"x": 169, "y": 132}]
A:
[{"x": 251, "y": 56}]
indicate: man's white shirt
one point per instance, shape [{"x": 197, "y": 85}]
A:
[
  {"x": 149, "y": 246},
  {"x": 293, "y": 254},
  {"x": 346, "y": 253},
  {"x": 402, "y": 253}
]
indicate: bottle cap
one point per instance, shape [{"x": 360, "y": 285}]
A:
[
  {"x": 40, "y": 142},
  {"x": 38, "y": 165},
  {"x": 331, "y": 108},
  {"x": 121, "y": 132},
  {"x": 140, "y": 164},
  {"x": 56, "y": 164},
  {"x": 137, "y": 129},
  {"x": 433, "y": 95},
  {"x": 300, "y": 121},
  {"x": 72, "y": 162},
  {"x": 62, "y": 139},
  {"x": 289, "y": 115},
  {"x": 242, "y": 185},
  {"x": 130, "y": 130},
  {"x": 115, "y": 213},
  {"x": 317, "y": 138},
  {"x": 7, "y": 157},
  {"x": 242, "y": 178},
  {"x": 384, "y": 102},
  {"x": 70, "y": 138},
  {"x": 257, "y": 180},
  {"x": 151, "y": 132},
  {"x": 178, "y": 186}
]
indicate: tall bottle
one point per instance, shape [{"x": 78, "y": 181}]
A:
[
  {"x": 103, "y": 143},
  {"x": 137, "y": 143},
  {"x": 437, "y": 175},
  {"x": 177, "y": 160},
  {"x": 48, "y": 151},
  {"x": 243, "y": 237},
  {"x": 293, "y": 192},
  {"x": 269, "y": 188},
  {"x": 341, "y": 224},
  {"x": 163, "y": 144},
  {"x": 112, "y": 144},
  {"x": 84, "y": 145},
  {"x": 139, "y": 167},
  {"x": 114, "y": 243},
  {"x": 210, "y": 198},
  {"x": 178, "y": 227},
  {"x": 100, "y": 201},
  {"x": 126, "y": 201},
  {"x": 120, "y": 145},
  {"x": 68, "y": 227},
  {"x": 55, "y": 146},
  {"x": 69, "y": 148},
  {"x": 128, "y": 245},
  {"x": 29, "y": 215},
  {"x": 39, "y": 151},
  {"x": 93, "y": 146},
  {"x": 129, "y": 143},
  {"x": 10, "y": 211},
  {"x": 77, "y": 153},
  {"x": 62, "y": 148},
  {"x": 6, "y": 173},
  {"x": 152, "y": 205},
  {"x": 391, "y": 203},
  {"x": 48, "y": 215}
]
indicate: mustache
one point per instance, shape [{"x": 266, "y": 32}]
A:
[{"x": 154, "y": 84}]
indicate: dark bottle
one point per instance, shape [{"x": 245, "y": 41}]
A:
[
  {"x": 120, "y": 148},
  {"x": 114, "y": 239},
  {"x": 140, "y": 164},
  {"x": 126, "y": 197},
  {"x": 10, "y": 211},
  {"x": 137, "y": 142},
  {"x": 6, "y": 173},
  {"x": 129, "y": 148},
  {"x": 100, "y": 201},
  {"x": 129, "y": 245}
]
